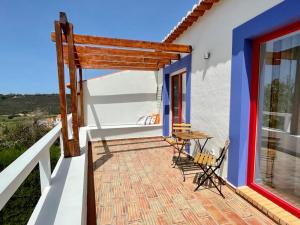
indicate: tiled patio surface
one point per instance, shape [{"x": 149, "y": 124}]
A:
[{"x": 136, "y": 184}]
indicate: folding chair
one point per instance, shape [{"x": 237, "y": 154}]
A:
[
  {"x": 175, "y": 142},
  {"x": 189, "y": 167},
  {"x": 210, "y": 164}
]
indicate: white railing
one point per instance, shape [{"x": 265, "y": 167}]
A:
[
  {"x": 13, "y": 176},
  {"x": 63, "y": 193}
]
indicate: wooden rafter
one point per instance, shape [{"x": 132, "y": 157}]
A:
[
  {"x": 120, "y": 64},
  {"x": 92, "y": 52},
  {"x": 86, "y": 50},
  {"x": 125, "y": 43},
  {"x": 121, "y": 67},
  {"x": 84, "y": 59}
]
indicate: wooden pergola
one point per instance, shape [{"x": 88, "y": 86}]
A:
[{"x": 94, "y": 52}]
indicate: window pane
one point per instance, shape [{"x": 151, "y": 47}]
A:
[
  {"x": 278, "y": 135},
  {"x": 176, "y": 99}
]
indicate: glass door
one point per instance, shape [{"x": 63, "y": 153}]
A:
[
  {"x": 275, "y": 152},
  {"x": 178, "y": 91}
]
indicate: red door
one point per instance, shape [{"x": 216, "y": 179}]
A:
[{"x": 176, "y": 92}]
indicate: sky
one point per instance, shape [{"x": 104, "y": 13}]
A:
[{"x": 27, "y": 55}]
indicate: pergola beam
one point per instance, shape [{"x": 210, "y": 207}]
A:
[
  {"x": 109, "y": 67},
  {"x": 83, "y": 59},
  {"x": 126, "y": 43},
  {"x": 100, "y": 64},
  {"x": 87, "y": 50}
]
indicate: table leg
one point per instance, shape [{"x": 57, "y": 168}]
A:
[
  {"x": 202, "y": 148},
  {"x": 179, "y": 153},
  {"x": 197, "y": 141}
]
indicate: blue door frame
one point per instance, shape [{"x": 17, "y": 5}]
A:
[{"x": 184, "y": 63}]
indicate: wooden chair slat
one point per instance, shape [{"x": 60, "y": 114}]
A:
[
  {"x": 172, "y": 141},
  {"x": 205, "y": 159},
  {"x": 213, "y": 162},
  {"x": 181, "y": 128},
  {"x": 182, "y": 125},
  {"x": 200, "y": 161},
  {"x": 209, "y": 159},
  {"x": 197, "y": 157}
]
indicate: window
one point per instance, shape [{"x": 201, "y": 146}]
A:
[{"x": 277, "y": 150}]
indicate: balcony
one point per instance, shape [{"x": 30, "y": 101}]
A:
[{"x": 112, "y": 169}]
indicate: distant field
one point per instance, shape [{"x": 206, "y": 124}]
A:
[
  {"x": 12, "y": 122},
  {"x": 6, "y": 123},
  {"x": 14, "y": 103}
]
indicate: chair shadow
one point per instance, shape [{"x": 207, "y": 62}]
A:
[{"x": 190, "y": 168}]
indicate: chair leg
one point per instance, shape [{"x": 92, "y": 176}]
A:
[
  {"x": 199, "y": 179},
  {"x": 173, "y": 158},
  {"x": 220, "y": 179},
  {"x": 210, "y": 176},
  {"x": 216, "y": 186},
  {"x": 180, "y": 150},
  {"x": 183, "y": 175}
]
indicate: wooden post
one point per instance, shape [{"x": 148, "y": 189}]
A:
[
  {"x": 75, "y": 151},
  {"x": 62, "y": 91},
  {"x": 81, "y": 98}
]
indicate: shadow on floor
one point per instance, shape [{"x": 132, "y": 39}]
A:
[
  {"x": 120, "y": 144},
  {"x": 108, "y": 153},
  {"x": 104, "y": 158},
  {"x": 135, "y": 149}
]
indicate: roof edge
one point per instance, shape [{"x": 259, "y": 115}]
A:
[{"x": 192, "y": 16}]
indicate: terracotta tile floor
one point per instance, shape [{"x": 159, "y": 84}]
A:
[{"x": 136, "y": 184}]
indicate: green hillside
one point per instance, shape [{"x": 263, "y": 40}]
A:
[{"x": 15, "y": 103}]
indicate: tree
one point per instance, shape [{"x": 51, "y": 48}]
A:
[{"x": 278, "y": 97}]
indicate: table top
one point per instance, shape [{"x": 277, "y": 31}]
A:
[{"x": 192, "y": 135}]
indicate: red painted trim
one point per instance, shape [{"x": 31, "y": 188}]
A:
[
  {"x": 179, "y": 77},
  {"x": 279, "y": 33},
  {"x": 253, "y": 117},
  {"x": 172, "y": 99},
  {"x": 285, "y": 205},
  {"x": 253, "y": 112},
  {"x": 180, "y": 98}
]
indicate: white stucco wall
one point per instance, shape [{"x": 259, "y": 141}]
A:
[
  {"x": 210, "y": 97},
  {"x": 115, "y": 101}
]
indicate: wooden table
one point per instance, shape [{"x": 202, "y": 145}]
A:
[{"x": 188, "y": 136}]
